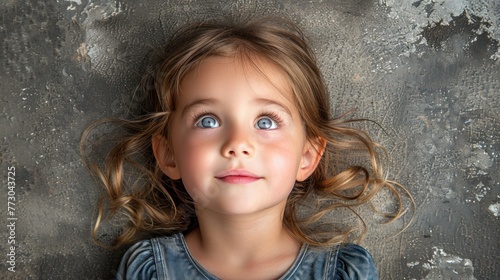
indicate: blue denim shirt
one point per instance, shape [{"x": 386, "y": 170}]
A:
[{"x": 169, "y": 258}]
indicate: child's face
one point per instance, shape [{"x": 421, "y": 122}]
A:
[{"x": 237, "y": 138}]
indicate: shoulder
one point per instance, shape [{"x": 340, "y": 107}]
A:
[
  {"x": 141, "y": 260},
  {"x": 138, "y": 262},
  {"x": 354, "y": 262},
  {"x": 341, "y": 262}
]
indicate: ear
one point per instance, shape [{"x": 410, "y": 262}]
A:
[
  {"x": 164, "y": 157},
  {"x": 311, "y": 155}
]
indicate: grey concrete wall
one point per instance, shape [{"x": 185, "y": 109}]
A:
[{"x": 427, "y": 70}]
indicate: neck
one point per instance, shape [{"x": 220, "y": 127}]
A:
[{"x": 241, "y": 238}]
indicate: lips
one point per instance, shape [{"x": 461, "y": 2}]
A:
[{"x": 238, "y": 177}]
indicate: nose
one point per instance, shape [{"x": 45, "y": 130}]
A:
[{"x": 238, "y": 143}]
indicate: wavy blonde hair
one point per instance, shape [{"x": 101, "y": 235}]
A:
[{"x": 151, "y": 202}]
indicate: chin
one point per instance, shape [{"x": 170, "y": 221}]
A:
[{"x": 245, "y": 207}]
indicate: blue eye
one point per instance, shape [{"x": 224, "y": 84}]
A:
[
  {"x": 207, "y": 122},
  {"x": 266, "y": 123}
]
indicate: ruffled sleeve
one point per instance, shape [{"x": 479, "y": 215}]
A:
[
  {"x": 138, "y": 262},
  {"x": 355, "y": 262}
]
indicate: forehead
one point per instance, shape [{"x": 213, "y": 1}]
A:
[{"x": 238, "y": 70}]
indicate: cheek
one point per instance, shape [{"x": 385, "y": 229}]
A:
[
  {"x": 283, "y": 157},
  {"x": 193, "y": 154}
]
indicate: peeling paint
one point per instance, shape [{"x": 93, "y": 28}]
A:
[
  {"x": 474, "y": 38},
  {"x": 431, "y": 14},
  {"x": 73, "y": 5},
  {"x": 412, "y": 264},
  {"x": 78, "y": 2},
  {"x": 102, "y": 11},
  {"x": 481, "y": 159},
  {"x": 495, "y": 209},
  {"x": 448, "y": 266}
]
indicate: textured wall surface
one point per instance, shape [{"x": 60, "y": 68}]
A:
[{"x": 427, "y": 70}]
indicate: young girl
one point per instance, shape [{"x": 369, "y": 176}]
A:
[{"x": 238, "y": 164}]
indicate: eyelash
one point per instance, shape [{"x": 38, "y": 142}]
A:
[
  {"x": 198, "y": 115},
  {"x": 274, "y": 116}
]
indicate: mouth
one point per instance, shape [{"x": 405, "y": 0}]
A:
[{"x": 238, "y": 177}]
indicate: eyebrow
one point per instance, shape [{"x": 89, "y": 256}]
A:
[
  {"x": 265, "y": 101},
  {"x": 204, "y": 101},
  {"x": 211, "y": 101}
]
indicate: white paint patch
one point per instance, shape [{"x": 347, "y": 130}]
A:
[
  {"x": 481, "y": 159},
  {"x": 495, "y": 209},
  {"x": 447, "y": 266},
  {"x": 101, "y": 12},
  {"x": 78, "y": 2},
  {"x": 412, "y": 264},
  {"x": 414, "y": 15},
  {"x": 482, "y": 191},
  {"x": 99, "y": 44}
]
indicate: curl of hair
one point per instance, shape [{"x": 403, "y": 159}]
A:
[{"x": 151, "y": 202}]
